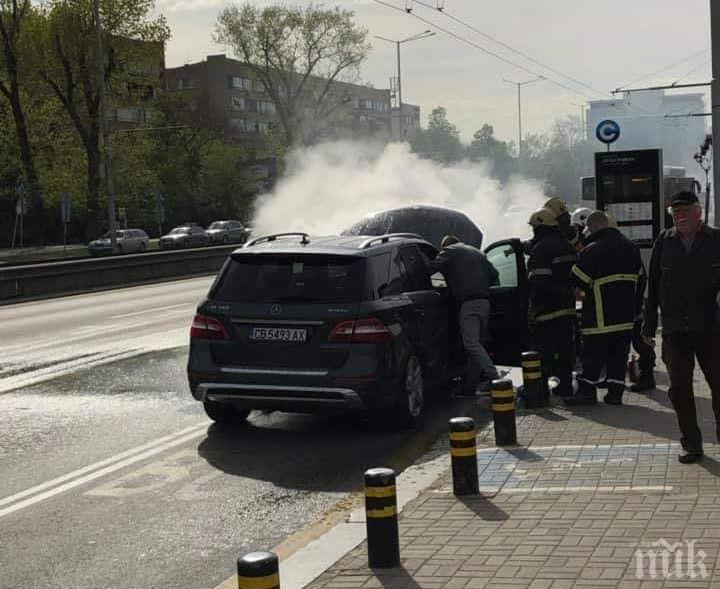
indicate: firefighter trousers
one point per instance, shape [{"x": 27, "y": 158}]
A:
[
  {"x": 609, "y": 351},
  {"x": 555, "y": 341}
]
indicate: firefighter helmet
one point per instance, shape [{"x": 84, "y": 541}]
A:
[
  {"x": 542, "y": 217},
  {"x": 580, "y": 216},
  {"x": 556, "y": 205}
]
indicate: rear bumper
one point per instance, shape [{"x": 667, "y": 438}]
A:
[{"x": 279, "y": 397}]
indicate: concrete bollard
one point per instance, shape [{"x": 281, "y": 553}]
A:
[
  {"x": 383, "y": 542},
  {"x": 532, "y": 380},
  {"x": 258, "y": 570},
  {"x": 503, "y": 408},
  {"x": 463, "y": 455}
]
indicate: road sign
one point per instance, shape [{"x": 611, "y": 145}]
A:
[
  {"x": 607, "y": 131},
  {"x": 65, "y": 208}
]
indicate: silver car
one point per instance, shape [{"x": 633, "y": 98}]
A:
[
  {"x": 227, "y": 232},
  {"x": 126, "y": 241}
]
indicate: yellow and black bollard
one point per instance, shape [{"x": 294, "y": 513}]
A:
[
  {"x": 258, "y": 570},
  {"x": 383, "y": 542},
  {"x": 463, "y": 455},
  {"x": 532, "y": 380},
  {"x": 503, "y": 407}
]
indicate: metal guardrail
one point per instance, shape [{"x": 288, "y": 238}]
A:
[{"x": 90, "y": 274}]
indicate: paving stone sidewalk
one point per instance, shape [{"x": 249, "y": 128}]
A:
[{"x": 570, "y": 506}]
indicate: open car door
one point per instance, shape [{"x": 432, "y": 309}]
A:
[{"x": 509, "y": 332}]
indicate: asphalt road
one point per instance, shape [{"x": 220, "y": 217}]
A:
[
  {"x": 43, "y": 339},
  {"x": 113, "y": 476}
]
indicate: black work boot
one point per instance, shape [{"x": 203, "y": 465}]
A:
[
  {"x": 690, "y": 456},
  {"x": 646, "y": 382},
  {"x": 613, "y": 399}
]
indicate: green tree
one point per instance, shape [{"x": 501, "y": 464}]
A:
[
  {"x": 485, "y": 147},
  {"x": 66, "y": 60},
  {"x": 440, "y": 141},
  {"x": 14, "y": 15},
  {"x": 301, "y": 56}
]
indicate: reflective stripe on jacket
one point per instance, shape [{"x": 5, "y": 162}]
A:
[{"x": 607, "y": 271}]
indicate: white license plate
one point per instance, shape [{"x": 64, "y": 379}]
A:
[{"x": 278, "y": 334}]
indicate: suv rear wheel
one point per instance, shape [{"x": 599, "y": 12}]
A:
[
  {"x": 224, "y": 412},
  {"x": 411, "y": 398}
]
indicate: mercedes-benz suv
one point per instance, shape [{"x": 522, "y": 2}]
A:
[{"x": 300, "y": 324}]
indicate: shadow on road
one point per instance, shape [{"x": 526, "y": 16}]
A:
[
  {"x": 484, "y": 508},
  {"x": 321, "y": 453}
]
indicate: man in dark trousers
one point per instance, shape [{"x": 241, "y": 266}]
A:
[
  {"x": 469, "y": 275},
  {"x": 607, "y": 272},
  {"x": 684, "y": 280},
  {"x": 552, "y": 299}
]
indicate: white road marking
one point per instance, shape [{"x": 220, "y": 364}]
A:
[
  {"x": 155, "y": 310},
  {"x": 98, "y": 469}
]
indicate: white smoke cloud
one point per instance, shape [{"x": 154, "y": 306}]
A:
[{"x": 329, "y": 187}]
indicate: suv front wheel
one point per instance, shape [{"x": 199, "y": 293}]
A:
[
  {"x": 224, "y": 412},
  {"x": 411, "y": 398}
]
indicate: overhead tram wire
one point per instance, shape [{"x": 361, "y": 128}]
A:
[
  {"x": 484, "y": 49},
  {"x": 692, "y": 71},
  {"x": 605, "y": 95},
  {"x": 664, "y": 69}
]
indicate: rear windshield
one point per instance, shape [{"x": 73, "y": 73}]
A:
[{"x": 290, "y": 278}]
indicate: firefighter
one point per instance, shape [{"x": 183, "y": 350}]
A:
[
  {"x": 552, "y": 299},
  {"x": 607, "y": 271},
  {"x": 559, "y": 207}
]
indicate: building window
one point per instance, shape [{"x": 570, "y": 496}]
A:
[
  {"x": 237, "y": 103},
  {"x": 240, "y": 83},
  {"x": 239, "y": 124},
  {"x": 258, "y": 86},
  {"x": 184, "y": 83},
  {"x": 193, "y": 104},
  {"x": 266, "y": 107},
  {"x": 363, "y": 120},
  {"x": 262, "y": 126},
  {"x": 129, "y": 115}
]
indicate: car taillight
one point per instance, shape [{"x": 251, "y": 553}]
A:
[
  {"x": 366, "y": 330},
  {"x": 205, "y": 327}
]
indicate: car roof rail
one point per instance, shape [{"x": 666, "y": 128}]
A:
[
  {"x": 305, "y": 238},
  {"x": 387, "y": 237}
]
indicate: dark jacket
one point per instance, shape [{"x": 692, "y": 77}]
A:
[
  {"x": 467, "y": 271},
  {"x": 551, "y": 291},
  {"x": 607, "y": 271},
  {"x": 684, "y": 284}
]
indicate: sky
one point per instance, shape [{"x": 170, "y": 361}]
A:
[{"x": 602, "y": 43}]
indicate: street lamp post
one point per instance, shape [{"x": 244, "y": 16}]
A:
[
  {"x": 423, "y": 35},
  {"x": 519, "y": 86}
]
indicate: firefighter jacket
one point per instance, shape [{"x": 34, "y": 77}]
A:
[
  {"x": 607, "y": 271},
  {"x": 684, "y": 284},
  {"x": 551, "y": 289}
]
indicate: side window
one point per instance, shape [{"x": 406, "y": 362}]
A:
[
  {"x": 437, "y": 279},
  {"x": 377, "y": 276},
  {"x": 417, "y": 274},
  {"x": 504, "y": 258},
  {"x": 397, "y": 278}
]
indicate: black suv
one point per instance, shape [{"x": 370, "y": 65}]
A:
[
  {"x": 340, "y": 323},
  {"x": 304, "y": 325}
]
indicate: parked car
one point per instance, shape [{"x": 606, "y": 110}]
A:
[
  {"x": 431, "y": 222},
  {"x": 188, "y": 235},
  {"x": 299, "y": 324},
  {"x": 227, "y": 232},
  {"x": 126, "y": 241}
]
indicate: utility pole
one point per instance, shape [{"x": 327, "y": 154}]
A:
[
  {"x": 105, "y": 136},
  {"x": 423, "y": 35},
  {"x": 519, "y": 86},
  {"x": 715, "y": 102}
]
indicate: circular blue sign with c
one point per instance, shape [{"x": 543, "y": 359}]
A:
[{"x": 607, "y": 131}]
